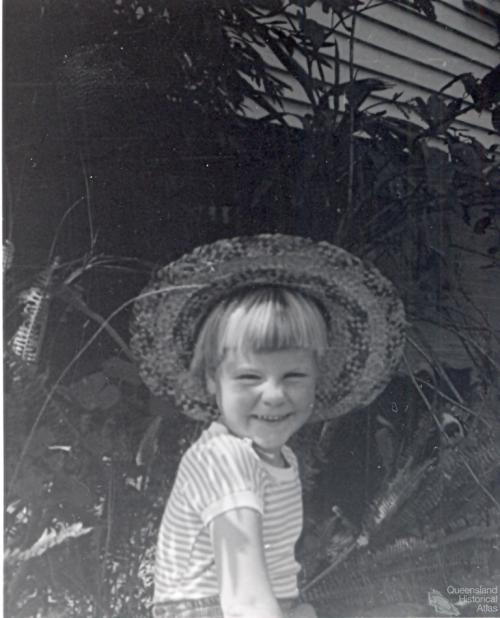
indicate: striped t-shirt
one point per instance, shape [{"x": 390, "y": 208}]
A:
[{"x": 217, "y": 473}]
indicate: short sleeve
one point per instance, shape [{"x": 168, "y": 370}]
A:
[{"x": 222, "y": 475}]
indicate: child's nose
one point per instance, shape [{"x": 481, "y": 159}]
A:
[{"x": 273, "y": 393}]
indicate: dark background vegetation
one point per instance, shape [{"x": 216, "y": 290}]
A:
[{"x": 125, "y": 145}]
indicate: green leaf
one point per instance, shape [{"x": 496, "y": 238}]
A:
[
  {"x": 482, "y": 225},
  {"x": 108, "y": 397},
  {"x": 495, "y": 118},
  {"x": 437, "y": 109},
  {"x": 471, "y": 85},
  {"x": 30, "y": 485},
  {"x": 314, "y": 32},
  {"x": 78, "y": 494},
  {"x": 119, "y": 369},
  {"x": 269, "y": 5},
  {"x": 339, "y": 6},
  {"x": 426, "y": 7},
  {"x": 149, "y": 443},
  {"x": 438, "y": 170},
  {"x": 42, "y": 439},
  {"x": 94, "y": 392}
]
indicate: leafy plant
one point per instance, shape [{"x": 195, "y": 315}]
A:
[{"x": 89, "y": 460}]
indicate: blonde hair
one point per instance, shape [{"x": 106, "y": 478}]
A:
[{"x": 261, "y": 319}]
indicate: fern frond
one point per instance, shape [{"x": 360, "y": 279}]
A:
[
  {"x": 47, "y": 540},
  {"x": 398, "y": 490},
  {"x": 7, "y": 255},
  {"x": 27, "y": 342},
  {"x": 405, "y": 570},
  {"x": 441, "y": 528}
]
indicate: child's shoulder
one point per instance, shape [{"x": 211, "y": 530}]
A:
[{"x": 217, "y": 442}]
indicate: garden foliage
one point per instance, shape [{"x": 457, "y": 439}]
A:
[{"x": 90, "y": 456}]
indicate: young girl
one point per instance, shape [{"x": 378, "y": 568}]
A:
[{"x": 260, "y": 335}]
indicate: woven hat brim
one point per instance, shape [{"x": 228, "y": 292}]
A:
[{"x": 363, "y": 310}]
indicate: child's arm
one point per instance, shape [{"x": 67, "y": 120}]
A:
[{"x": 245, "y": 589}]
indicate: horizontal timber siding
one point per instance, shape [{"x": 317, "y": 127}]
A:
[{"x": 416, "y": 56}]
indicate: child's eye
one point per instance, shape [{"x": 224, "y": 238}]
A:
[{"x": 248, "y": 377}]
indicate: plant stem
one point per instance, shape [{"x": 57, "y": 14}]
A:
[
  {"x": 348, "y": 550},
  {"x": 477, "y": 480},
  {"x": 60, "y": 224},
  {"x": 88, "y": 203},
  {"x": 460, "y": 454},
  {"x": 86, "y": 310},
  {"x": 352, "y": 113},
  {"x": 420, "y": 392},
  {"x": 438, "y": 364},
  {"x": 455, "y": 403}
]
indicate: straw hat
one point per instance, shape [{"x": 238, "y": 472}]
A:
[{"x": 365, "y": 316}]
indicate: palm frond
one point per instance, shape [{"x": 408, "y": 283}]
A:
[
  {"x": 407, "y": 569},
  {"x": 435, "y": 521},
  {"x": 7, "y": 255},
  {"x": 27, "y": 342},
  {"x": 48, "y": 539}
]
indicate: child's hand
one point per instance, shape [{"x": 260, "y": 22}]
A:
[{"x": 304, "y": 610}]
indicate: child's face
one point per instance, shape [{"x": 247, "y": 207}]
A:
[{"x": 265, "y": 396}]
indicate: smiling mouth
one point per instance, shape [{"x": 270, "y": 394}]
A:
[{"x": 268, "y": 418}]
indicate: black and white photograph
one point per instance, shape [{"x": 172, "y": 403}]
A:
[{"x": 251, "y": 308}]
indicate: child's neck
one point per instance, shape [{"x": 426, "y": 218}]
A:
[{"x": 273, "y": 459}]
